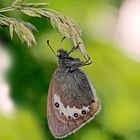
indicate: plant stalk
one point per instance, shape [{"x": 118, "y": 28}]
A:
[{"x": 6, "y": 9}]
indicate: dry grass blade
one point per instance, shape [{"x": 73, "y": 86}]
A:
[
  {"x": 24, "y": 33},
  {"x": 30, "y": 26},
  {"x": 34, "y": 5},
  {"x": 22, "y": 3},
  {"x": 22, "y": 29},
  {"x": 34, "y": 12},
  {"x": 65, "y": 25},
  {"x": 69, "y": 28},
  {"x": 17, "y": 2},
  {"x": 11, "y": 28},
  {"x": 30, "y": 12},
  {"x": 3, "y": 22}
]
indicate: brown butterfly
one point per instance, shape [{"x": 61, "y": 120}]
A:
[{"x": 71, "y": 101}]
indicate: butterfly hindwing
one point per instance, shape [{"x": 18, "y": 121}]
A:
[{"x": 71, "y": 102}]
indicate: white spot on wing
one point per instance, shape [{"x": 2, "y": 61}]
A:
[
  {"x": 83, "y": 122},
  {"x": 68, "y": 111}
]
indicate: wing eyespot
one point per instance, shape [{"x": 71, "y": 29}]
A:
[
  {"x": 57, "y": 105},
  {"x": 93, "y": 101},
  {"x": 62, "y": 113},
  {"x": 75, "y": 115},
  {"x": 90, "y": 107},
  {"x": 83, "y": 112},
  {"x": 69, "y": 117}
]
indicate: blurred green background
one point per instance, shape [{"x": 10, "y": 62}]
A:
[{"x": 115, "y": 75}]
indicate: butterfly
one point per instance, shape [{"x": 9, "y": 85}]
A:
[{"x": 72, "y": 100}]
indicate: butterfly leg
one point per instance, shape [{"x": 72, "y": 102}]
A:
[
  {"x": 88, "y": 62},
  {"x": 74, "y": 48},
  {"x": 79, "y": 63}
]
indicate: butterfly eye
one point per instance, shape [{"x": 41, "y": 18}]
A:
[
  {"x": 58, "y": 53},
  {"x": 56, "y": 105},
  {"x": 83, "y": 112},
  {"x": 75, "y": 115}
]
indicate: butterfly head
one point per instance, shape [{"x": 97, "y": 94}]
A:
[{"x": 62, "y": 54}]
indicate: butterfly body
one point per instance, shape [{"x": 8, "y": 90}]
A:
[{"x": 72, "y": 100}]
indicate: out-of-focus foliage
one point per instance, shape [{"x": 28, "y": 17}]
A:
[
  {"x": 20, "y": 126},
  {"x": 115, "y": 76}
]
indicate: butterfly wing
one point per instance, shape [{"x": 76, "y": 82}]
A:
[
  {"x": 57, "y": 127},
  {"x": 71, "y": 102}
]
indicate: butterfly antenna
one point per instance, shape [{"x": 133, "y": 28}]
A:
[
  {"x": 61, "y": 42},
  {"x": 51, "y": 47}
]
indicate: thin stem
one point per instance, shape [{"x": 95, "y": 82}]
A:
[
  {"x": 6, "y": 9},
  {"x": 2, "y": 16}
]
